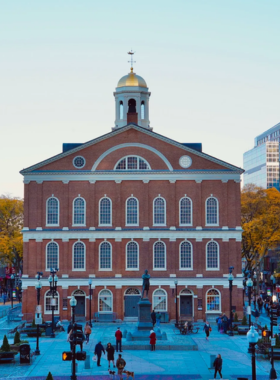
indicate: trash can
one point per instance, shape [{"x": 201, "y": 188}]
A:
[
  {"x": 24, "y": 353},
  {"x": 87, "y": 362},
  {"x": 48, "y": 328},
  {"x": 212, "y": 359}
]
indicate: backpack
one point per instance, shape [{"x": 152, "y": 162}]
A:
[{"x": 121, "y": 364}]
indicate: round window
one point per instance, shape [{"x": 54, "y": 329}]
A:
[
  {"x": 79, "y": 162},
  {"x": 185, "y": 162}
]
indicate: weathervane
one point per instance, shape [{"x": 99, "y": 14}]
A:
[{"x": 131, "y": 59}]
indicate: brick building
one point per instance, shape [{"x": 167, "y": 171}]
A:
[{"x": 127, "y": 201}]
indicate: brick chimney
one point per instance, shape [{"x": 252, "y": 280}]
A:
[{"x": 132, "y": 117}]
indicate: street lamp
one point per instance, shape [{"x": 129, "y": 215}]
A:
[
  {"x": 230, "y": 280},
  {"x": 249, "y": 284},
  {"x": 53, "y": 288},
  {"x": 38, "y": 287},
  {"x": 11, "y": 289},
  {"x": 73, "y": 303},
  {"x": 253, "y": 337},
  {"x": 90, "y": 296},
  {"x": 244, "y": 286},
  {"x": 176, "y": 301}
]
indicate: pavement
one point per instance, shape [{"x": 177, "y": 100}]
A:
[{"x": 158, "y": 365}]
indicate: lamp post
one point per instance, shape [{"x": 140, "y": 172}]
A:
[
  {"x": 230, "y": 280},
  {"x": 90, "y": 296},
  {"x": 11, "y": 289},
  {"x": 38, "y": 287},
  {"x": 253, "y": 337},
  {"x": 244, "y": 286},
  {"x": 176, "y": 301},
  {"x": 53, "y": 288},
  {"x": 249, "y": 284},
  {"x": 255, "y": 290},
  {"x": 73, "y": 303}
]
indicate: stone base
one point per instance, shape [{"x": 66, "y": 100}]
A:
[
  {"x": 144, "y": 314},
  {"x": 143, "y": 335}
]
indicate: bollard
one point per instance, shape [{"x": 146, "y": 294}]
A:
[{"x": 87, "y": 362}]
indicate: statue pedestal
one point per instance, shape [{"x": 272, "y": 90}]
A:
[{"x": 144, "y": 314}]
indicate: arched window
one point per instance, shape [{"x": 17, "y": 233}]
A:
[
  {"x": 185, "y": 212},
  {"x": 52, "y": 212},
  {"x": 142, "y": 110},
  {"x": 49, "y": 302},
  {"x": 213, "y": 300},
  {"x": 79, "y": 211},
  {"x": 121, "y": 110},
  {"x": 132, "y": 212},
  {"x": 132, "y": 256},
  {"x": 132, "y": 292},
  {"x": 132, "y": 106},
  {"x": 52, "y": 256},
  {"x": 160, "y": 300},
  {"x": 212, "y": 211},
  {"x": 159, "y": 212},
  {"x": 79, "y": 256},
  {"x": 159, "y": 256},
  {"x": 186, "y": 255},
  {"x": 132, "y": 163},
  {"x": 212, "y": 256},
  {"x": 105, "y": 212},
  {"x": 105, "y": 301},
  {"x": 105, "y": 256}
]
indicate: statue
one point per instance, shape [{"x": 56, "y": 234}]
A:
[{"x": 146, "y": 283}]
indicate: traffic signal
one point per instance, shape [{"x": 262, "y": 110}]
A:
[
  {"x": 81, "y": 355},
  {"x": 266, "y": 333},
  {"x": 273, "y": 316},
  {"x": 66, "y": 356}
]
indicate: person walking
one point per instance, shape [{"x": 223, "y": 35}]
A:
[
  {"x": 260, "y": 304},
  {"x": 4, "y": 298},
  {"x": 220, "y": 324},
  {"x": 153, "y": 317},
  {"x": 110, "y": 355},
  {"x": 120, "y": 365},
  {"x": 158, "y": 318},
  {"x": 257, "y": 315},
  {"x": 153, "y": 340},
  {"x": 98, "y": 352},
  {"x": 69, "y": 328},
  {"x": 207, "y": 329},
  {"x": 218, "y": 362},
  {"x": 87, "y": 332},
  {"x": 225, "y": 323},
  {"x": 118, "y": 335}
]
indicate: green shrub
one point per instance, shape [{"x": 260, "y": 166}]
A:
[
  {"x": 5, "y": 346},
  {"x": 265, "y": 327},
  {"x": 17, "y": 337},
  {"x": 235, "y": 317},
  {"x": 244, "y": 321},
  {"x": 49, "y": 377}
]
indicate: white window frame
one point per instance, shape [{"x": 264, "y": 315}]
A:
[
  {"x": 166, "y": 297},
  {"x": 99, "y": 214},
  {"x": 191, "y": 294},
  {"x": 220, "y": 303},
  {"x": 112, "y": 298},
  {"x": 73, "y": 208},
  {"x": 48, "y": 269},
  {"x": 105, "y": 269},
  {"x": 142, "y": 110},
  {"x": 218, "y": 258},
  {"x": 126, "y": 222},
  {"x": 78, "y": 269},
  {"x": 45, "y": 304},
  {"x": 121, "y": 110},
  {"x": 58, "y": 213},
  {"x": 185, "y": 224},
  {"x": 185, "y": 269},
  {"x": 132, "y": 269},
  {"x": 159, "y": 269},
  {"x": 138, "y": 157},
  {"x": 212, "y": 224},
  {"x": 159, "y": 224}
]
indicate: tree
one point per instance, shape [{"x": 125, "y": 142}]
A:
[
  {"x": 49, "y": 377},
  {"x": 5, "y": 346},
  {"x": 17, "y": 337},
  {"x": 260, "y": 218},
  {"x": 11, "y": 223}
]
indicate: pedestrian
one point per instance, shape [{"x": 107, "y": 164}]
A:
[
  {"x": 207, "y": 329},
  {"x": 4, "y": 298},
  {"x": 59, "y": 326},
  {"x": 220, "y": 324},
  {"x": 120, "y": 365},
  {"x": 153, "y": 317},
  {"x": 257, "y": 315},
  {"x": 110, "y": 355},
  {"x": 98, "y": 352},
  {"x": 153, "y": 340},
  {"x": 70, "y": 339},
  {"x": 87, "y": 332},
  {"x": 260, "y": 304},
  {"x": 158, "y": 318},
  {"x": 255, "y": 302},
  {"x": 218, "y": 362},
  {"x": 118, "y": 335},
  {"x": 69, "y": 328},
  {"x": 225, "y": 323}
]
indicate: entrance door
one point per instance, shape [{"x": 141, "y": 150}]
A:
[
  {"x": 131, "y": 305},
  {"x": 80, "y": 308},
  {"x": 186, "y": 306}
]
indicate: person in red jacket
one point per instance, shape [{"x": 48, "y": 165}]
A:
[
  {"x": 118, "y": 336},
  {"x": 153, "y": 340}
]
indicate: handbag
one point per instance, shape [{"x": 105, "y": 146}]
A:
[
  {"x": 94, "y": 358},
  {"x": 210, "y": 329}
]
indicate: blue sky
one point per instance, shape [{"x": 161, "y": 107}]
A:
[{"x": 212, "y": 68}]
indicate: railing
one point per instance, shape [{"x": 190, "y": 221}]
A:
[
  {"x": 14, "y": 314},
  {"x": 106, "y": 317}
]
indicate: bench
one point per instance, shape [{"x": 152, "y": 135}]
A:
[
  {"x": 242, "y": 330},
  {"x": 262, "y": 348},
  {"x": 276, "y": 353}
]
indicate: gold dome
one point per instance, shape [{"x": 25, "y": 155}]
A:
[{"x": 132, "y": 80}]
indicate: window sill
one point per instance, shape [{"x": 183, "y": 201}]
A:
[
  {"x": 105, "y": 270},
  {"x": 52, "y": 225},
  {"x": 104, "y": 225},
  {"x": 185, "y": 225},
  {"x": 159, "y": 225},
  {"x": 132, "y": 225},
  {"x": 79, "y": 270},
  {"x": 78, "y": 225},
  {"x": 132, "y": 269},
  {"x": 186, "y": 269},
  {"x": 213, "y": 269},
  {"x": 160, "y": 269},
  {"x": 211, "y": 225}
]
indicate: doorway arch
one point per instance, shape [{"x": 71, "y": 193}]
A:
[
  {"x": 186, "y": 303},
  {"x": 80, "y": 309},
  {"x": 131, "y": 298}
]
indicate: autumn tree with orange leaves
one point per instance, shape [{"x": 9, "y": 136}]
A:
[
  {"x": 260, "y": 213},
  {"x": 11, "y": 223}
]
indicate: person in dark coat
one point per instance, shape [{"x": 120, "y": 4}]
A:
[
  {"x": 218, "y": 362},
  {"x": 207, "y": 329},
  {"x": 153, "y": 317},
  {"x": 98, "y": 352},
  {"x": 118, "y": 335},
  {"x": 110, "y": 355},
  {"x": 153, "y": 340},
  {"x": 69, "y": 328}
]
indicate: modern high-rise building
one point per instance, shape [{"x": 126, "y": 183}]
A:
[{"x": 261, "y": 163}]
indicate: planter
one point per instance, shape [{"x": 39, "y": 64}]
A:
[
  {"x": 15, "y": 347},
  {"x": 7, "y": 356}
]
